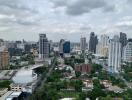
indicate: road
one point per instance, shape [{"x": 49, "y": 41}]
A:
[{"x": 47, "y": 75}]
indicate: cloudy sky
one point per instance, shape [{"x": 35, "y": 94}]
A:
[{"x": 68, "y": 19}]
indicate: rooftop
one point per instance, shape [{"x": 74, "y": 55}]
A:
[{"x": 11, "y": 95}]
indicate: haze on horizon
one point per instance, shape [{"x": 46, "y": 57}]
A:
[{"x": 68, "y": 19}]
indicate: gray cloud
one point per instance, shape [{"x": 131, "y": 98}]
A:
[
  {"x": 85, "y": 28},
  {"x": 129, "y": 1},
  {"x": 109, "y": 8},
  {"x": 15, "y": 12},
  {"x": 59, "y": 3},
  {"x": 14, "y": 7},
  {"x": 26, "y": 17},
  {"x": 79, "y": 7}
]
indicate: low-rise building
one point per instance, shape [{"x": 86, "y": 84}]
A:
[
  {"x": 106, "y": 83},
  {"x": 88, "y": 85},
  {"x": 11, "y": 95},
  {"x": 16, "y": 87},
  {"x": 115, "y": 89},
  {"x": 3, "y": 91},
  {"x": 83, "y": 68}
]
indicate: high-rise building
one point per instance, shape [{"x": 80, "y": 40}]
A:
[
  {"x": 51, "y": 45},
  {"x": 43, "y": 46},
  {"x": 61, "y": 46},
  {"x": 66, "y": 47},
  {"x": 123, "y": 41},
  {"x": 127, "y": 52},
  {"x": 114, "y": 59},
  {"x": 1, "y": 42},
  {"x": 123, "y": 38},
  {"x": 93, "y": 42},
  {"x": 104, "y": 40},
  {"x": 20, "y": 45},
  {"x": 102, "y": 47},
  {"x": 27, "y": 48},
  {"x": 4, "y": 58},
  {"x": 83, "y": 44},
  {"x": 98, "y": 48}
]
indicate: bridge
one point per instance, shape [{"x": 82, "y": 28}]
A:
[{"x": 31, "y": 67}]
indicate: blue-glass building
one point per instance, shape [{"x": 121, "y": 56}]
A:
[{"x": 66, "y": 47}]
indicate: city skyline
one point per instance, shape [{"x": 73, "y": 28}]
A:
[
  {"x": 65, "y": 50},
  {"x": 23, "y": 19}
]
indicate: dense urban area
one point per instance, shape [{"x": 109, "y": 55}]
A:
[{"x": 98, "y": 69}]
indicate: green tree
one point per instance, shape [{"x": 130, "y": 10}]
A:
[
  {"x": 96, "y": 67},
  {"x": 5, "y": 84},
  {"x": 77, "y": 84},
  {"x": 78, "y": 73}
]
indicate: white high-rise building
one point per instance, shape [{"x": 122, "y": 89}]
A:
[
  {"x": 43, "y": 46},
  {"x": 114, "y": 59},
  {"x": 62, "y": 41},
  {"x": 127, "y": 54},
  {"x": 83, "y": 43},
  {"x": 98, "y": 48}
]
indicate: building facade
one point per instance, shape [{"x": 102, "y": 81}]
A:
[
  {"x": 123, "y": 41},
  {"x": 83, "y": 68},
  {"x": 102, "y": 47},
  {"x": 43, "y": 46},
  {"x": 93, "y": 42},
  {"x": 4, "y": 58},
  {"x": 127, "y": 52},
  {"x": 61, "y": 46},
  {"x": 114, "y": 59},
  {"x": 66, "y": 47},
  {"x": 83, "y": 44}
]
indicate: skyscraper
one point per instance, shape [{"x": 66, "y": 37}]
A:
[
  {"x": 93, "y": 42},
  {"x": 66, "y": 47},
  {"x": 102, "y": 47},
  {"x": 4, "y": 58},
  {"x": 123, "y": 40},
  {"x": 114, "y": 59},
  {"x": 43, "y": 46},
  {"x": 61, "y": 46},
  {"x": 83, "y": 44},
  {"x": 127, "y": 52}
]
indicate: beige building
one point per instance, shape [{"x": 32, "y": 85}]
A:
[
  {"x": 106, "y": 83},
  {"x": 88, "y": 83},
  {"x": 16, "y": 87},
  {"x": 4, "y": 58},
  {"x": 3, "y": 91},
  {"x": 104, "y": 51},
  {"x": 102, "y": 46}
]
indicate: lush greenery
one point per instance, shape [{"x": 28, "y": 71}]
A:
[
  {"x": 127, "y": 72},
  {"x": 41, "y": 71},
  {"x": 5, "y": 84},
  {"x": 73, "y": 60},
  {"x": 28, "y": 57},
  {"x": 55, "y": 88},
  {"x": 25, "y": 57}
]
